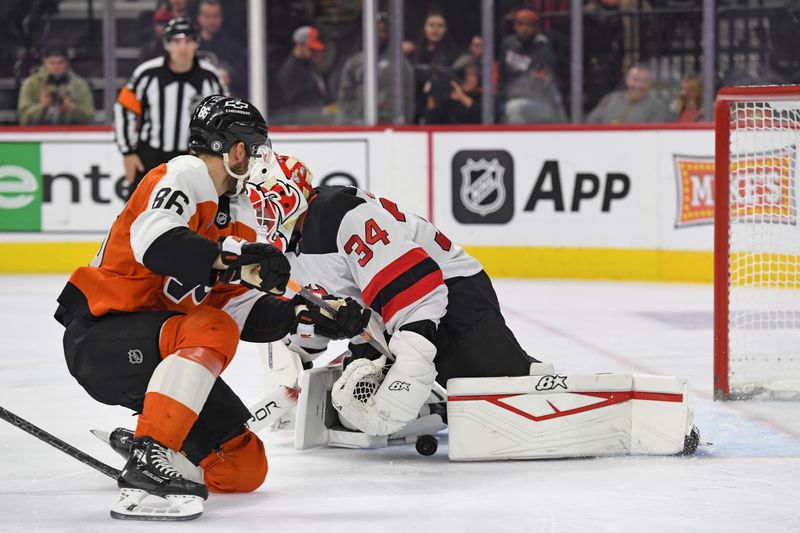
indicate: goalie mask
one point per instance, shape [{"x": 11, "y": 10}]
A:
[{"x": 279, "y": 191}]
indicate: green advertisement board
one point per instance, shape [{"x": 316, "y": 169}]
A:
[{"x": 20, "y": 187}]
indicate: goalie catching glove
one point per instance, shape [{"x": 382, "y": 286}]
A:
[
  {"x": 258, "y": 265},
  {"x": 314, "y": 321},
  {"x": 382, "y": 406}
]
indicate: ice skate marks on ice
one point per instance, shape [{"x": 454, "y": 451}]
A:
[{"x": 138, "y": 504}]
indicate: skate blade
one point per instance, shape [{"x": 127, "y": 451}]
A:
[
  {"x": 104, "y": 436},
  {"x": 173, "y": 508}
]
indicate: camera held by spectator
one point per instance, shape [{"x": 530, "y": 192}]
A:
[
  {"x": 454, "y": 95},
  {"x": 54, "y": 83},
  {"x": 440, "y": 84}
]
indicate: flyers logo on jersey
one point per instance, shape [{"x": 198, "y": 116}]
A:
[{"x": 177, "y": 291}]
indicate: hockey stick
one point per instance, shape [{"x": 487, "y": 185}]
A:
[
  {"x": 271, "y": 407},
  {"x": 315, "y": 299},
  {"x": 55, "y": 442}
]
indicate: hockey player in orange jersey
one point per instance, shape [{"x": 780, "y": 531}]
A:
[{"x": 158, "y": 314}]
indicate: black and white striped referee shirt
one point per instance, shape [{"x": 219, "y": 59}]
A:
[{"x": 155, "y": 106}]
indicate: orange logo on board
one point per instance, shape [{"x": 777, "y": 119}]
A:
[
  {"x": 695, "y": 177},
  {"x": 762, "y": 188}
]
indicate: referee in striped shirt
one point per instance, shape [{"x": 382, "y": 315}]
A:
[{"x": 151, "y": 116}]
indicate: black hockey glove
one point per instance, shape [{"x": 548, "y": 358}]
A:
[
  {"x": 258, "y": 265},
  {"x": 349, "y": 321}
]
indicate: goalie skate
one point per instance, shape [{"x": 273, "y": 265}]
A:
[{"x": 152, "y": 489}]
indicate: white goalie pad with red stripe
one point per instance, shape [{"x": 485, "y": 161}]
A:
[{"x": 537, "y": 417}]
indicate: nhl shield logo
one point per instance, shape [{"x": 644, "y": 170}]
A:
[
  {"x": 483, "y": 186},
  {"x": 222, "y": 219}
]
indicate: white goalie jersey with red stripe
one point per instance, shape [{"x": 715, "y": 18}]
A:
[{"x": 354, "y": 244}]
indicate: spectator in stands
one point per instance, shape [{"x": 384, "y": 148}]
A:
[
  {"x": 474, "y": 50},
  {"x": 528, "y": 87},
  {"x": 303, "y": 91},
  {"x": 54, "y": 94},
  {"x": 688, "y": 106},
  {"x": 351, "y": 87},
  {"x": 474, "y": 55},
  {"x": 434, "y": 53},
  {"x": 635, "y": 103},
  {"x": 220, "y": 48},
  {"x": 454, "y": 101},
  {"x": 154, "y": 45}
]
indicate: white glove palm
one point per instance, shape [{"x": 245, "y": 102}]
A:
[{"x": 383, "y": 408}]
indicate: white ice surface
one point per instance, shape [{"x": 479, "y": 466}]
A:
[{"x": 749, "y": 480}]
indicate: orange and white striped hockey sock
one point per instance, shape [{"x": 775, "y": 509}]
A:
[{"x": 177, "y": 391}]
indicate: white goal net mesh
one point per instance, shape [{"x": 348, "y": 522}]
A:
[{"x": 764, "y": 249}]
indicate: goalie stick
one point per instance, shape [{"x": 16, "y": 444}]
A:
[{"x": 55, "y": 442}]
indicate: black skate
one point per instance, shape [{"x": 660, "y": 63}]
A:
[{"x": 150, "y": 473}]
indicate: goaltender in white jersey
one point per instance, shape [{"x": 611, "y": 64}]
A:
[
  {"x": 444, "y": 324},
  {"x": 436, "y": 302}
]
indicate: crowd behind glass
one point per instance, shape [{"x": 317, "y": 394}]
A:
[{"x": 316, "y": 67}]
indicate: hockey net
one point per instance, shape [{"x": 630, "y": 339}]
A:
[{"x": 757, "y": 243}]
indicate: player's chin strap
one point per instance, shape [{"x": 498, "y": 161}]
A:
[{"x": 240, "y": 178}]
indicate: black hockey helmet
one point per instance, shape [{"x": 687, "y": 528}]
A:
[
  {"x": 219, "y": 122},
  {"x": 179, "y": 27}
]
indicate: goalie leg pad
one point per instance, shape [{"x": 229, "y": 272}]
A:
[
  {"x": 552, "y": 416},
  {"x": 314, "y": 411},
  {"x": 318, "y": 423}
]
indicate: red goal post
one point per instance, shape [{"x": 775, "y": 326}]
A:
[{"x": 757, "y": 243}]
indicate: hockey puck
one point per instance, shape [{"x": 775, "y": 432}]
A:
[{"x": 427, "y": 445}]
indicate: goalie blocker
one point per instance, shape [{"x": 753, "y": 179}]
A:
[{"x": 553, "y": 416}]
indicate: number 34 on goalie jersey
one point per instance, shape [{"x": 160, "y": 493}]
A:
[
  {"x": 399, "y": 261},
  {"x": 373, "y": 234}
]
